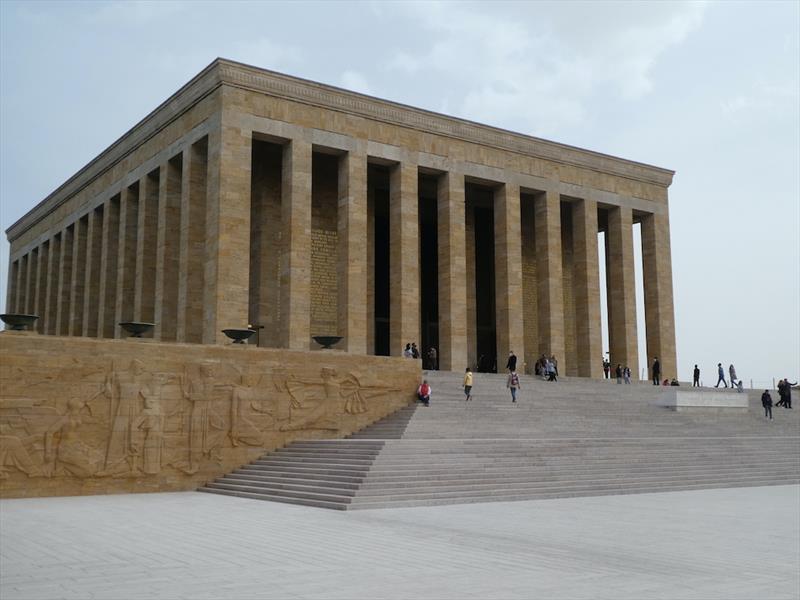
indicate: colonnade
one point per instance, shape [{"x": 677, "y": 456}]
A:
[{"x": 177, "y": 245}]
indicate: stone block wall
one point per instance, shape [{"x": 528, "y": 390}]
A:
[{"x": 91, "y": 416}]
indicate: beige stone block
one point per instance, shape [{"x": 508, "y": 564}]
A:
[
  {"x": 452, "y": 270},
  {"x": 508, "y": 272},
  {"x": 168, "y": 249},
  {"x": 404, "y": 323},
  {"x": 352, "y": 259},
  {"x": 549, "y": 283},
  {"x": 659, "y": 311},
  {"x": 586, "y": 284},
  {"x": 621, "y": 295},
  {"x": 108, "y": 268},
  {"x": 94, "y": 251},
  {"x": 295, "y": 273},
  {"x": 78, "y": 277}
]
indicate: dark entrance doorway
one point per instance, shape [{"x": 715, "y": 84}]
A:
[
  {"x": 378, "y": 186},
  {"x": 428, "y": 267},
  {"x": 480, "y": 200}
]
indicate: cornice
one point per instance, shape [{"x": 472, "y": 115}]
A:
[
  {"x": 231, "y": 73},
  {"x": 326, "y": 96}
]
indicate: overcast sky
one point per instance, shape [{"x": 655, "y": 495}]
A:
[{"x": 708, "y": 90}]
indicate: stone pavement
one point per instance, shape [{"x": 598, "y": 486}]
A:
[{"x": 723, "y": 543}]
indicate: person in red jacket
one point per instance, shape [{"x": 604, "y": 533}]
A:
[{"x": 424, "y": 393}]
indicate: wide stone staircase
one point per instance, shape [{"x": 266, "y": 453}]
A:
[{"x": 571, "y": 438}]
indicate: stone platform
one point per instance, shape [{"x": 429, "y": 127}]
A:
[{"x": 703, "y": 545}]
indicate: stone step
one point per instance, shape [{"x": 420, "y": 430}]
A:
[
  {"x": 360, "y": 504},
  {"x": 334, "y": 505}
]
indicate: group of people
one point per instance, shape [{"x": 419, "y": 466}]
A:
[
  {"x": 546, "y": 368},
  {"x": 431, "y": 360}
]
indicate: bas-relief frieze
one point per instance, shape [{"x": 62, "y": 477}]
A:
[{"x": 134, "y": 419}]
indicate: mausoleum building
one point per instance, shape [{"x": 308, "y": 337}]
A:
[{"x": 251, "y": 197}]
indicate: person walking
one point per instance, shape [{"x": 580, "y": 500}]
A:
[
  {"x": 626, "y": 375},
  {"x": 550, "y": 370},
  {"x": 766, "y": 402},
  {"x": 696, "y": 379},
  {"x": 606, "y": 368},
  {"x": 785, "y": 393},
  {"x": 512, "y": 383},
  {"x": 511, "y": 365},
  {"x": 656, "y": 371},
  {"x": 468, "y": 384},
  {"x": 433, "y": 359},
  {"x": 721, "y": 374},
  {"x": 424, "y": 393},
  {"x": 618, "y": 373},
  {"x": 732, "y": 375}
]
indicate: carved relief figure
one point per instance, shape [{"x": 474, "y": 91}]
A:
[
  {"x": 152, "y": 424},
  {"x": 312, "y": 403},
  {"x": 127, "y": 391},
  {"x": 14, "y": 454},
  {"x": 63, "y": 448},
  {"x": 246, "y": 399},
  {"x": 199, "y": 392}
]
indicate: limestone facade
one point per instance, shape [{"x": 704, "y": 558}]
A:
[{"x": 252, "y": 197}]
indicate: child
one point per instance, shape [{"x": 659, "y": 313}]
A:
[
  {"x": 468, "y": 384},
  {"x": 513, "y": 384}
]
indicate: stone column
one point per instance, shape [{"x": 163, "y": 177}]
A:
[
  {"x": 508, "y": 273},
  {"x": 370, "y": 270},
  {"x": 51, "y": 303},
  {"x": 472, "y": 308},
  {"x": 451, "y": 225},
  {"x": 550, "y": 296},
  {"x": 352, "y": 260},
  {"x": 659, "y": 312},
  {"x": 226, "y": 279},
  {"x": 192, "y": 244},
  {"x": 78, "y": 277},
  {"x": 15, "y": 290},
  {"x": 623, "y": 341},
  {"x": 587, "y": 289},
  {"x": 146, "y": 245},
  {"x": 404, "y": 323},
  {"x": 167, "y": 253},
  {"x": 43, "y": 256},
  {"x": 30, "y": 282},
  {"x": 108, "y": 268},
  {"x": 63, "y": 310},
  {"x": 94, "y": 250},
  {"x": 22, "y": 293},
  {"x": 126, "y": 259},
  {"x": 295, "y": 275}
]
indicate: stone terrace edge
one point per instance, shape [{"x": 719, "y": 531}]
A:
[{"x": 223, "y": 71}]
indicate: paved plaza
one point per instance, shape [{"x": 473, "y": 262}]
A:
[{"x": 725, "y": 543}]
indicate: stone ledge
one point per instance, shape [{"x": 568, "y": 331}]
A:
[{"x": 683, "y": 400}]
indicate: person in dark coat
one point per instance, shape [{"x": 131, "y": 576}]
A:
[
  {"x": 766, "y": 402},
  {"x": 696, "y": 380},
  {"x": 721, "y": 375},
  {"x": 656, "y": 371},
  {"x": 511, "y": 365},
  {"x": 618, "y": 373}
]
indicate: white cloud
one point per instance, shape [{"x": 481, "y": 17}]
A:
[
  {"x": 134, "y": 12},
  {"x": 353, "y": 80},
  {"x": 541, "y": 64}
]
